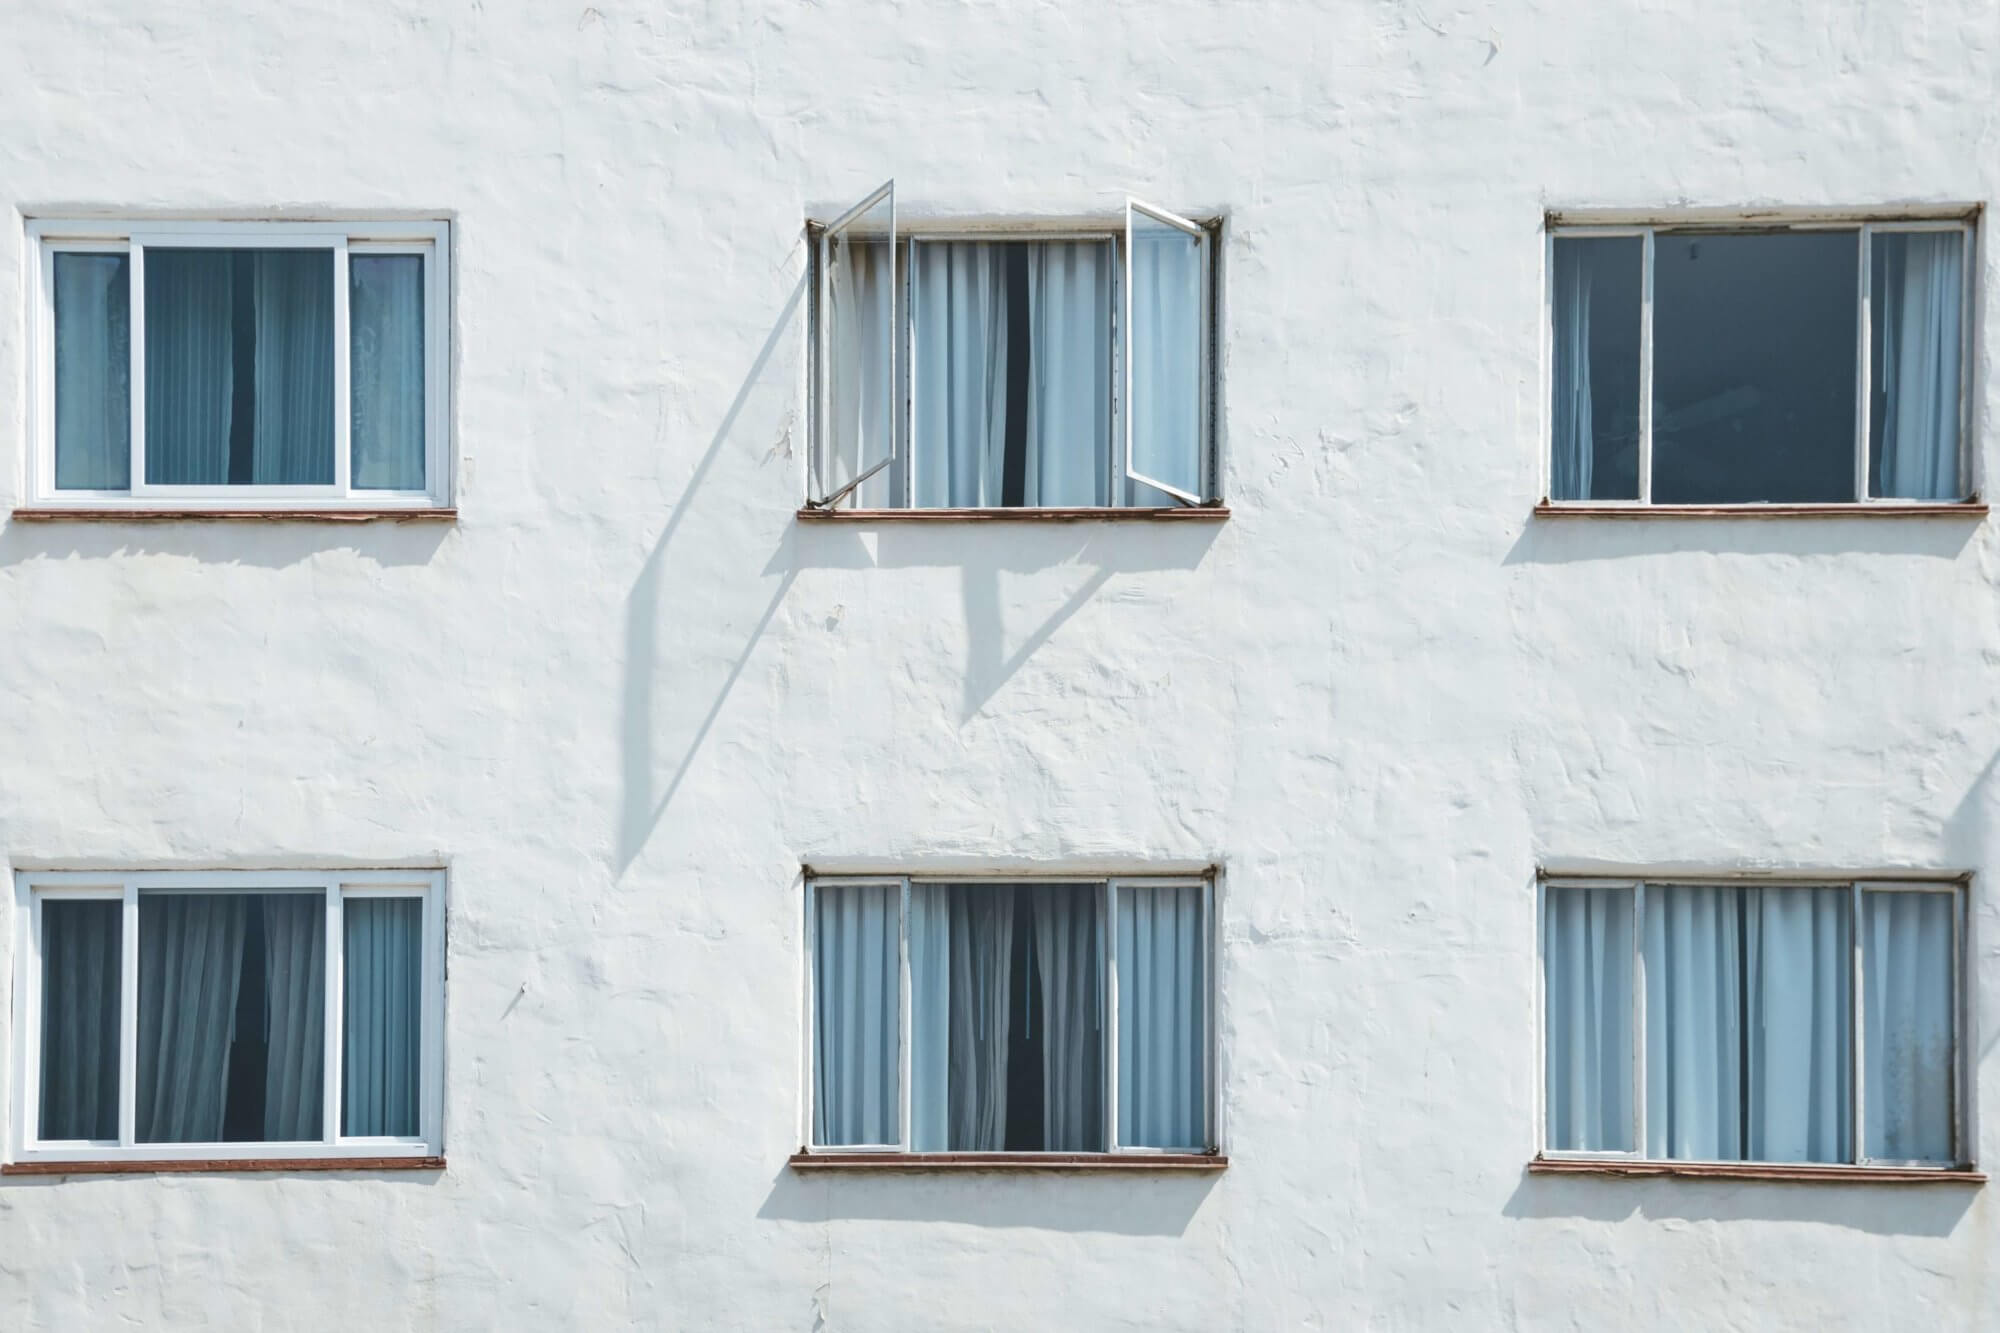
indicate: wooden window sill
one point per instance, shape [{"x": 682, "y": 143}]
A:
[
  {"x": 1961, "y": 509},
  {"x": 185, "y": 513},
  {"x": 1781, "y": 1171},
  {"x": 221, "y": 1166},
  {"x": 1180, "y": 513},
  {"x": 1006, "y": 1161}
]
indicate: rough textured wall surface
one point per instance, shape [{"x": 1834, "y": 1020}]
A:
[{"x": 626, "y": 694}]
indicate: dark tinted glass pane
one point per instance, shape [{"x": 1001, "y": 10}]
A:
[
  {"x": 1754, "y": 367},
  {"x": 1595, "y": 413},
  {"x": 82, "y": 952}
]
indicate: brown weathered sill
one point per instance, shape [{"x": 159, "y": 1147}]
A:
[
  {"x": 1830, "y": 1174},
  {"x": 222, "y": 1165},
  {"x": 1882, "y": 509},
  {"x": 1180, "y": 513},
  {"x": 119, "y": 514},
  {"x": 1006, "y": 1161}
]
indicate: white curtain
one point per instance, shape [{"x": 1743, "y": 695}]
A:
[
  {"x": 1747, "y": 1024},
  {"x": 1165, "y": 346},
  {"x": 860, "y": 392},
  {"x": 1907, "y": 991},
  {"x": 1068, "y": 940},
  {"x": 857, "y": 1013},
  {"x": 1587, "y": 960},
  {"x": 1920, "y": 294},
  {"x": 1573, "y": 441},
  {"x": 190, "y": 964},
  {"x": 1162, "y": 1017},
  {"x": 386, "y": 380},
  {"x": 82, "y": 961},
  {"x": 1069, "y": 374},
  {"x": 295, "y": 1019},
  {"x": 93, "y": 371},
  {"x": 960, "y": 371}
]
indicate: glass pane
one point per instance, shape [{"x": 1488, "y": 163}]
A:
[
  {"x": 386, "y": 378},
  {"x": 93, "y": 371},
  {"x": 1748, "y": 1024},
  {"x": 232, "y": 998},
  {"x": 382, "y": 1032},
  {"x": 82, "y": 960},
  {"x": 1165, "y": 347},
  {"x": 1754, "y": 366},
  {"x": 1162, "y": 1018},
  {"x": 239, "y": 367},
  {"x": 1595, "y": 413},
  {"x": 860, "y": 317},
  {"x": 857, "y": 1013},
  {"x": 1908, "y": 989},
  {"x": 1012, "y": 374},
  {"x": 1587, "y": 997},
  {"x": 1918, "y": 317}
]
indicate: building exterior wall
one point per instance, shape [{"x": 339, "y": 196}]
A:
[{"x": 626, "y": 694}]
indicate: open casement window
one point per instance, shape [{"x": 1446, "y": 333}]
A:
[
  {"x": 240, "y": 365},
  {"x": 1010, "y": 1016},
  {"x": 1715, "y": 365},
  {"x": 1031, "y": 366},
  {"x": 1729, "y": 1022},
  {"x": 209, "y": 1016}
]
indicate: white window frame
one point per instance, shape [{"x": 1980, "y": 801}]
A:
[
  {"x": 1868, "y": 226},
  {"x": 33, "y": 888},
  {"x": 1114, "y": 230},
  {"x": 1107, "y": 887},
  {"x": 1962, "y": 1042},
  {"x": 430, "y": 238}
]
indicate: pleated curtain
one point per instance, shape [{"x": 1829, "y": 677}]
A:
[
  {"x": 1574, "y": 443},
  {"x": 1165, "y": 346},
  {"x": 190, "y": 965},
  {"x": 295, "y": 1016},
  {"x": 93, "y": 371},
  {"x": 959, "y": 368},
  {"x": 82, "y": 962},
  {"x": 1068, "y": 943},
  {"x": 857, "y": 1014},
  {"x": 386, "y": 371},
  {"x": 1162, "y": 1017},
  {"x": 1921, "y": 291},
  {"x": 382, "y": 1016},
  {"x": 1587, "y": 983},
  {"x": 1908, "y": 987}
]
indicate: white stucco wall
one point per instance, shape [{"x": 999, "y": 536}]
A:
[{"x": 626, "y": 694}]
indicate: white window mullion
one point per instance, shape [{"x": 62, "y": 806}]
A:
[
  {"x": 128, "y": 1021},
  {"x": 135, "y": 324},
  {"x": 1646, "y": 369},
  {"x": 343, "y": 467},
  {"x": 335, "y": 969}
]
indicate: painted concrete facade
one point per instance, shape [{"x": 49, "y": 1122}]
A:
[{"x": 627, "y": 694}]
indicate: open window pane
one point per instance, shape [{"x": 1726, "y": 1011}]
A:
[
  {"x": 1162, "y": 1017},
  {"x": 232, "y": 997},
  {"x": 1754, "y": 367},
  {"x": 82, "y": 961},
  {"x": 1587, "y": 961},
  {"x": 382, "y": 1016},
  {"x": 1917, "y": 306},
  {"x": 1012, "y": 373},
  {"x": 239, "y": 367},
  {"x": 1908, "y": 970},
  {"x": 857, "y": 1013},
  {"x": 93, "y": 371},
  {"x": 857, "y": 437},
  {"x": 1164, "y": 275},
  {"x": 386, "y": 375},
  {"x": 1595, "y": 412}
]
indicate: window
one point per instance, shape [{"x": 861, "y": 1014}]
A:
[
  {"x": 1022, "y": 1017},
  {"x": 241, "y": 365},
  {"x": 1714, "y": 365},
  {"x": 980, "y": 367},
  {"x": 210, "y": 1015},
  {"x": 1720, "y": 1022}
]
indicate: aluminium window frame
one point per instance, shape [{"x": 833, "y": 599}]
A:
[
  {"x": 1867, "y": 224},
  {"x": 1957, "y": 885},
  {"x": 33, "y": 888},
  {"x": 429, "y": 238},
  {"x": 1107, "y": 886}
]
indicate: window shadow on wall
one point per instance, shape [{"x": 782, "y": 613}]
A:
[
  {"x": 1131, "y": 1204},
  {"x": 250, "y": 542},
  {"x": 1561, "y": 541},
  {"x": 1881, "y": 1210}
]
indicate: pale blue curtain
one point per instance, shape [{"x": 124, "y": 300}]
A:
[
  {"x": 930, "y": 1017},
  {"x": 1747, "y": 1024},
  {"x": 1162, "y": 1017},
  {"x": 981, "y": 955},
  {"x": 860, "y": 319},
  {"x": 1165, "y": 346},
  {"x": 857, "y": 1015},
  {"x": 82, "y": 961},
  {"x": 190, "y": 365},
  {"x": 382, "y": 1017},
  {"x": 93, "y": 371},
  {"x": 1069, "y": 456},
  {"x": 1574, "y": 443},
  {"x": 1068, "y": 922},
  {"x": 190, "y": 964},
  {"x": 959, "y": 331},
  {"x": 1920, "y": 312},
  {"x": 292, "y": 440},
  {"x": 1588, "y": 949},
  {"x": 295, "y": 1016},
  {"x": 1907, "y": 993},
  {"x": 386, "y": 378}
]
